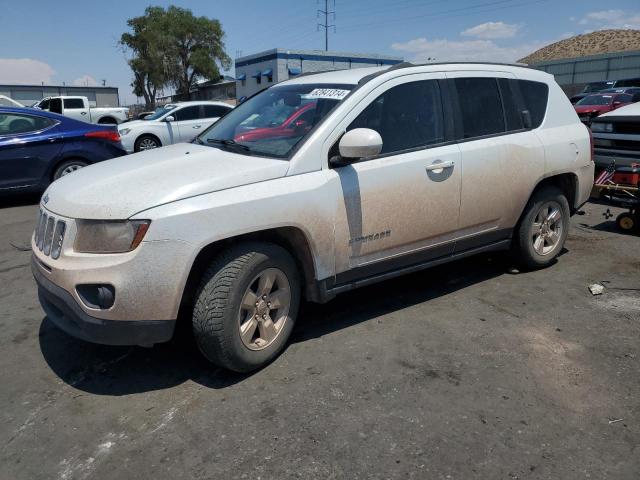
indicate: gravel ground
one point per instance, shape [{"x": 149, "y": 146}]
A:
[{"x": 463, "y": 371}]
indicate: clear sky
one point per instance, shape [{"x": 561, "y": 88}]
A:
[{"x": 75, "y": 41}]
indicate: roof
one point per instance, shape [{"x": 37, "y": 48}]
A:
[
  {"x": 198, "y": 102},
  {"x": 594, "y": 43},
  {"x": 355, "y": 75}
]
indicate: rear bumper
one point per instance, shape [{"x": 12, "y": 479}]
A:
[{"x": 63, "y": 310}]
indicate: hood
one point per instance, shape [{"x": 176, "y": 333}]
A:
[
  {"x": 124, "y": 186},
  {"x": 592, "y": 108},
  {"x": 133, "y": 123},
  {"x": 632, "y": 110}
]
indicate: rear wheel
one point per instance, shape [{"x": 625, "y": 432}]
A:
[
  {"x": 68, "y": 167},
  {"x": 246, "y": 306},
  {"x": 107, "y": 121},
  {"x": 146, "y": 142},
  {"x": 543, "y": 229}
]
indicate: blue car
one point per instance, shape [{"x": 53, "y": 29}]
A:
[{"x": 38, "y": 147}]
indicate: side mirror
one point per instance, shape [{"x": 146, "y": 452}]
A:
[
  {"x": 617, "y": 104},
  {"x": 360, "y": 143},
  {"x": 169, "y": 119}
]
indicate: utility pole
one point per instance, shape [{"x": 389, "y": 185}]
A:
[{"x": 326, "y": 12}]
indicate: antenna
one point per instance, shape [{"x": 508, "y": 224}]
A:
[{"x": 326, "y": 12}]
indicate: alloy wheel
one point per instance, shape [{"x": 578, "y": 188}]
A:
[
  {"x": 547, "y": 229},
  {"x": 264, "y": 309},
  {"x": 147, "y": 144}
]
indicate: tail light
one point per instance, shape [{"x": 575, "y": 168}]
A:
[{"x": 111, "y": 135}]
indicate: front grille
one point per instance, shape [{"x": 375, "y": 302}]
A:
[
  {"x": 49, "y": 234},
  {"x": 626, "y": 127}
]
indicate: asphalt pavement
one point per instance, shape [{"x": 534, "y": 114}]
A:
[{"x": 463, "y": 371}]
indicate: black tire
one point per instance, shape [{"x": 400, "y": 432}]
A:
[
  {"x": 523, "y": 240},
  {"x": 142, "y": 139},
  {"x": 107, "y": 121},
  {"x": 627, "y": 222},
  {"x": 216, "y": 313},
  {"x": 66, "y": 167}
]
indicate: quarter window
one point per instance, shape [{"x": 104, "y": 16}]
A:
[
  {"x": 480, "y": 106},
  {"x": 406, "y": 116},
  {"x": 535, "y": 96},
  {"x": 15, "y": 124}
]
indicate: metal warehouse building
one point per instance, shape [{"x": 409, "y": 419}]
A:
[
  {"x": 573, "y": 73},
  {"x": 29, "y": 94},
  {"x": 261, "y": 70}
]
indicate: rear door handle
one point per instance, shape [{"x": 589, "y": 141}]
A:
[
  {"x": 438, "y": 166},
  {"x": 197, "y": 126}
]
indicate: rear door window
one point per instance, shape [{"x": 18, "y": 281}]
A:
[
  {"x": 18, "y": 124},
  {"x": 512, "y": 110},
  {"x": 73, "y": 103},
  {"x": 188, "y": 113},
  {"x": 406, "y": 116},
  {"x": 535, "y": 96},
  {"x": 480, "y": 106},
  {"x": 212, "y": 111}
]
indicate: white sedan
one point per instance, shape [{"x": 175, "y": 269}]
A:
[{"x": 172, "y": 123}]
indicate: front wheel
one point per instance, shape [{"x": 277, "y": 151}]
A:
[
  {"x": 146, "y": 142},
  {"x": 246, "y": 306},
  {"x": 543, "y": 229}
]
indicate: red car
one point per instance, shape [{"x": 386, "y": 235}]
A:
[
  {"x": 598, "y": 103},
  {"x": 297, "y": 123}
]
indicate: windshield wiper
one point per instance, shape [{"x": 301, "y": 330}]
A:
[{"x": 228, "y": 143}]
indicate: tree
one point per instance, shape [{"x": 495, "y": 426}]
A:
[
  {"x": 173, "y": 47},
  {"x": 197, "y": 48},
  {"x": 149, "y": 46}
]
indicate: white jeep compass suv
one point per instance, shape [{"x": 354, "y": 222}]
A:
[{"x": 313, "y": 187}]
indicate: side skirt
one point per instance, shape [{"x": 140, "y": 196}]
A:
[{"x": 328, "y": 288}]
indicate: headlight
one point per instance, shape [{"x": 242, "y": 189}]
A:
[
  {"x": 125, "y": 131},
  {"x": 602, "y": 127},
  {"x": 106, "y": 236}
]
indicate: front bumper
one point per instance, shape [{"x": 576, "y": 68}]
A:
[{"x": 63, "y": 310}]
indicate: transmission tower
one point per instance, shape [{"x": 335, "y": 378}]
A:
[{"x": 326, "y": 12}]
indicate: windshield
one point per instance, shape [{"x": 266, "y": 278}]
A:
[
  {"x": 274, "y": 121},
  {"x": 596, "y": 100},
  {"x": 160, "y": 111},
  {"x": 596, "y": 86}
]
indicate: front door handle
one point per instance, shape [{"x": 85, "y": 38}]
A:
[
  {"x": 438, "y": 166},
  {"x": 197, "y": 126}
]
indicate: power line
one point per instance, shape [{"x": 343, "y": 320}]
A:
[
  {"x": 326, "y": 25},
  {"x": 444, "y": 14}
]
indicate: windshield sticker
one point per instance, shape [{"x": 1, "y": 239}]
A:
[{"x": 328, "y": 93}]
